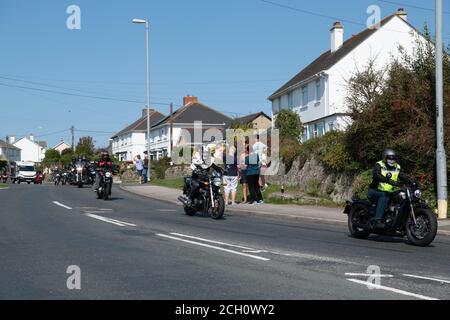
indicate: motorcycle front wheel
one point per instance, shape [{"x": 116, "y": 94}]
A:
[
  {"x": 219, "y": 208},
  {"x": 106, "y": 192},
  {"x": 424, "y": 232}
]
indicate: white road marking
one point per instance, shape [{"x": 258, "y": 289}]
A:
[
  {"x": 212, "y": 247},
  {"x": 212, "y": 241},
  {"x": 426, "y": 278},
  {"x": 108, "y": 220},
  {"x": 406, "y": 293},
  {"x": 368, "y": 275},
  {"x": 62, "y": 205},
  {"x": 166, "y": 210}
]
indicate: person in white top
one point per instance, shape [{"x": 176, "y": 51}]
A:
[{"x": 261, "y": 149}]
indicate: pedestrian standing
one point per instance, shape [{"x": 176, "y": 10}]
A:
[
  {"x": 231, "y": 179},
  {"x": 243, "y": 174},
  {"x": 145, "y": 166},
  {"x": 261, "y": 149},
  {"x": 252, "y": 161},
  {"x": 139, "y": 167}
]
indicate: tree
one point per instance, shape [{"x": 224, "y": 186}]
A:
[
  {"x": 51, "y": 156},
  {"x": 85, "y": 147},
  {"x": 289, "y": 124},
  {"x": 66, "y": 156}
]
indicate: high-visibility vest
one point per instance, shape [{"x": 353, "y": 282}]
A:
[{"x": 384, "y": 171}]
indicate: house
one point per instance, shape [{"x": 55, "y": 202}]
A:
[
  {"x": 162, "y": 141},
  {"x": 9, "y": 152},
  {"x": 258, "y": 121},
  {"x": 318, "y": 91},
  {"x": 33, "y": 151},
  {"x": 131, "y": 141},
  {"x": 61, "y": 146}
]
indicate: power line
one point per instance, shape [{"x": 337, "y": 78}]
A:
[{"x": 411, "y": 6}]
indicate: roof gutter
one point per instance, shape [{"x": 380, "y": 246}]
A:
[{"x": 295, "y": 86}]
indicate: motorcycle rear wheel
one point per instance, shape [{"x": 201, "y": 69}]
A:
[
  {"x": 355, "y": 215},
  {"x": 425, "y": 231}
]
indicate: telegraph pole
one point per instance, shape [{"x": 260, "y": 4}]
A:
[
  {"x": 72, "y": 129},
  {"x": 171, "y": 131},
  {"x": 441, "y": 161}
]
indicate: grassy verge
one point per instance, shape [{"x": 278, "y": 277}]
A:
[
  {"x": 2, "y": 185},
  {"x": 178, "y": 184}
]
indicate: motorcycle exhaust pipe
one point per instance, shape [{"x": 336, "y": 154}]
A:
[{"x": 183, "y": 200}]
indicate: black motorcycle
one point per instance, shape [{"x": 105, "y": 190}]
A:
[
  {"x": 406, "y": 215},
  {"x": 105, "y": 186},
  {"x": 91, "y": 173},
  {"x": 79, "y": 174},
  {"x": 57, "y": 178},
  {"x": 208, "y": 198},
  {"x": 64, "y": 178}
]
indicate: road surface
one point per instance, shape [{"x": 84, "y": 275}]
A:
[{"x": 137, "y": 248}]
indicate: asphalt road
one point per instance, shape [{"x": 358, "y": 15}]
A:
[{"x": 136, "y": 248}]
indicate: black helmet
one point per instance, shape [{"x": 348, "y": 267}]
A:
[{"x": 390, "y": 157}]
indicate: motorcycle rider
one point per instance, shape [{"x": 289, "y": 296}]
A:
[
  {"x": 102, "y": 164},
  {"x": 387, "y": 177}
]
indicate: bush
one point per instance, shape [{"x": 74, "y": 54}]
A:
[
  {"x": 361, "y": 184},
  {"x": 159, "y": 167}
]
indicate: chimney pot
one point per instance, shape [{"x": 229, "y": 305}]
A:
[{"x": 401, "y": 12}]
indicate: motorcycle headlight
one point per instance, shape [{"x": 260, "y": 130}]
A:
[
  {"x": 418, "y": 194},
  {"x": 79, "y": 169},
  {"x": 108, "y": 174},
  {"x": 217, "y": 182}
]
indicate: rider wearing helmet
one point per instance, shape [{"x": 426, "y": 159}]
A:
[
  {"x": 102, "y": 164},
  {"x": 387, "y": 177}
]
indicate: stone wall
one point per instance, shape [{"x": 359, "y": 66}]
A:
[
  {"x": 313, "y": 179},
  {"x": 178, "y": 172}
]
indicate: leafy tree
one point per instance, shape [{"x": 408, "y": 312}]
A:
[
  {"x": 66, "y": 156},
  {"x": 289, "y": 124},
  {"x": 85, "y": 147},
  {"x": 52, "y": 156}
]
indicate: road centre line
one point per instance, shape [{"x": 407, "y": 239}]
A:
[
  {"x": 406, "y": 293},
  {"x": 212, "y": 241},
  {"x": 369, "y": 275},
  {"x": 62, "y": 205},
  {"x": 112, "y": 221},
  {"x": 426, "y": 278},
  {"x": 212, "y": 247}
]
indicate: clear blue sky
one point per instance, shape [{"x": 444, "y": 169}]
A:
[{"x": 232, "y": 54}]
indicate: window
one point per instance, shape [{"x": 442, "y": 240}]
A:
[
  {"x": 305, "y": 96},
  {"x": 291, "y": 100},
  {"x": 318, "y": 90},
  {"x": 321, "y": 129}
]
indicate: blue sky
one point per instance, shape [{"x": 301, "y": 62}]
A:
[{"x": 232, "y": 54}]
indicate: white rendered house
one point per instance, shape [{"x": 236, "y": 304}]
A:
[{"x": 318, "y": 92}]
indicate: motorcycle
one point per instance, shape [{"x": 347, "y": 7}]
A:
[
  {"x": 4, "y": 177},
  {"x": 64, "y": 178},
  {"x": 39, "y": 178},
  {"x": 57, "y": 178},
  {"x": 79, "y": 174},
  {"x": 208, "y": 198},
  {"x": 104, "y": 190},
  {"x": 91, "y": 174},
  {"x": 406, "y": 215}
]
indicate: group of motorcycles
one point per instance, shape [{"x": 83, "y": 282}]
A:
[{"x": 84, "y": 173}]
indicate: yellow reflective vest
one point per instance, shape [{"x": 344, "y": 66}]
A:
[{"x": 384, "y": 171}]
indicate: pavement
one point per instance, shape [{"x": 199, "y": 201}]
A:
[
  {"x": 134, "y": 247},
  {"x": 283, "y": 211}
]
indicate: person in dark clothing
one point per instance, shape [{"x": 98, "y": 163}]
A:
[
  {"x": 231, "y": 178},
  {"x": 252, "y": 173},
  {"x": 145, "y": 171},
  {"x": 102, "y": 165},
  {"x": 387, "y": 177}
]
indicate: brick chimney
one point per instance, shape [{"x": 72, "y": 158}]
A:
[
  {"x": 401, "y": 12},
  {"x": 337, "y": 36},
  {"x": 189, "y": 99}
]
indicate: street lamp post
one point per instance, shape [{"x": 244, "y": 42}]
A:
[
  {"x": 145, "y": 22},
  {"x": 441, "y": 160}
]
